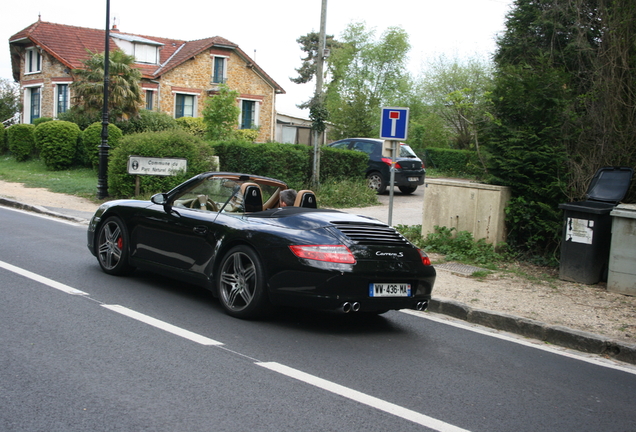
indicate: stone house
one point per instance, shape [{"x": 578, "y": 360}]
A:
[{"x": 177, "y": 76}]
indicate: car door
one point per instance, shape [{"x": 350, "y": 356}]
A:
[{"x": 181, "y": 240}]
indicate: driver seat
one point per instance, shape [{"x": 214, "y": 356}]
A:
[{"x": 252, "y": 197}]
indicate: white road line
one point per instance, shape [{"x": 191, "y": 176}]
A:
[
  {"x": 162, "y": 325},
  {"x": 532, "y": 343},
  {"x": 41, "y": 279},
  {"x": 363, "y": 398}
]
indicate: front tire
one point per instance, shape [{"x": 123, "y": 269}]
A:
[
  {"x": 241, "y": 284},
  {"x": 112, "y": 247},
  {"x": 407, "y": 189},
  {"x": 376, "y": 182}
]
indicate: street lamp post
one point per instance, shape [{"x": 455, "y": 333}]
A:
[{"x": 102, "y": 180}]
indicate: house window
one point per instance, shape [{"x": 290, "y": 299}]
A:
[
  {"x": 219, "y": 75},
  {"x": 249, "y": 114},
  {"x": 62, "y": 99},
  {"x": 33, "y": 60},
  {"x": 185, "y": 104},
  {"x": 150, "y": 99},
  {"x": 33, "y": 103}
]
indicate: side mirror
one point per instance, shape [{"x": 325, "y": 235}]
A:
[{"x": 159, "y": 199}]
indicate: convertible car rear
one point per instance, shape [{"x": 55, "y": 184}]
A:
[{"x": 226, "y": 232}]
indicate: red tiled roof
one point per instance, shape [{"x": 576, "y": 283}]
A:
[{"x": 69, "y": 45}]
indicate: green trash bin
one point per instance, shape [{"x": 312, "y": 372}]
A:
[{"x": 587, "y": 228}]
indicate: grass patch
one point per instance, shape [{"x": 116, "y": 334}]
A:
[
  {"x": 456, "y": 246},
  {"x": 33, "y": 173}
]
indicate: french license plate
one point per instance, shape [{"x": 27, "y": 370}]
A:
[
  {"x": 389, "y": 290},
  {"x": 414, "y": 179}
]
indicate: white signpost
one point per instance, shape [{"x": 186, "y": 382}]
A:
[{"x": 140, "y": 165}]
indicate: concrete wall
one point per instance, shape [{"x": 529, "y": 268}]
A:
[{"x": 467, "y": 206}]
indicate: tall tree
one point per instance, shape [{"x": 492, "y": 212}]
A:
[
  {"x": 9, "y": 99},
  {"x": 124, "y": 89},
  {"x": 365, "y": 74},
  {"x": 564, "y": 104},
  {"x": 309, "y": 44},
  {"x": 456, "y": 91}
]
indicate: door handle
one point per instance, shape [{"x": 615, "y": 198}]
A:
[{"x": 201, "y": 230}]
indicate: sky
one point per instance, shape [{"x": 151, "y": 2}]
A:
[{"x": 267, "y": 30}]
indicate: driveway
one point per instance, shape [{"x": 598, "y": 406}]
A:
[{"x": 407, "y": 209}]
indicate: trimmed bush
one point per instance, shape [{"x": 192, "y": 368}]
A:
[
  {"x": 341, "y": 164},
  {"x": 287, "y": 162},
  {"x": 174, "y": 143},
  {"x": 79, "y": 117},
  {"x": 92, "y": 139},
  {"x": 292, "y": 163},
  {"x": 453, "y": 161},
  {"x": 246, "y": 135},
  {"x": 41, "y": 120},
  {"x": 147, "y": 121},
  {"x": 192, "y": 125},
  {"x": 57, "y": 141},
  {"x": 3, "y": 140},
  {"x": 21, "y": 141}
]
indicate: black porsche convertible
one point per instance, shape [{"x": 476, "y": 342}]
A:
[{"x": 226, "y": 232}]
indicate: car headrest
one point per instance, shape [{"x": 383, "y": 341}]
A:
[
  {"x": 305, "y": 198},
  {"x": 252, "y": 197}
]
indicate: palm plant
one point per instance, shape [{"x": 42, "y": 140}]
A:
[{"x": 124, "y": 90}]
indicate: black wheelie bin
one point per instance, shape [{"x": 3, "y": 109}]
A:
[{"x": 587, "y": 229}]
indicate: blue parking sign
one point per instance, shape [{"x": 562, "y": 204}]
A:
[{"x": 394, "y": 123}]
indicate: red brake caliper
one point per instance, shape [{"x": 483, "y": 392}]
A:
[{"x": 120, "y": 243}]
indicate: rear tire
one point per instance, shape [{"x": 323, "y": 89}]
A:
[
  {"x": 241, "y": 284},
  {"x": 376, "y": 182},
  {"x": 113, "y": 247}
]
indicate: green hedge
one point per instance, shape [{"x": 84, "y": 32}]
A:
[
  {"x": 192, "y": 125},
  {"x": 92, "y": 139},
  {"x": 21, "y": 141},
  {"x": 3, "y": 140},
  {"x": 147, "y": 121},
  {"x": 57, "y": 142},
  {"x": 338, "y": 164},
  {"x": 174, "y": 143},
  {"x": 291, "y": 163},
  {"x": 453, "y": 161}
]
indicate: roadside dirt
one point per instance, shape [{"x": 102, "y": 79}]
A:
[{"x": 540, "y": 295}]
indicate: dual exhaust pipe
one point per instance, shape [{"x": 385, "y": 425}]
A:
[
  {"x": 350, "y": 307},
  {"x": 355, "y": 306}
]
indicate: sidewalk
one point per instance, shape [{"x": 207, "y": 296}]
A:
[{"x": 496, "y": 292}]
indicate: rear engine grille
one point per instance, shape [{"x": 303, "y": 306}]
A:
[{"x": 371, "y": 234}]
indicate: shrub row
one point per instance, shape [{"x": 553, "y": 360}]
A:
[
  {"x": 453, "y": 161},
  {"x": 292, "y": 163},
  {"x": 60, "y": 144}
]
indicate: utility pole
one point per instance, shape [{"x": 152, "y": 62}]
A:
[
  {"x": 318, "y": 98},
  {"x": 102, "y": 179}
]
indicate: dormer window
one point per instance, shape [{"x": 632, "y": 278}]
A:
[
  {"x": 144, "y": 50},
  {"x": 33, "y": 61}
]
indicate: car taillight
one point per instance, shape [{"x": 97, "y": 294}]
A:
[
  {"x": 425, "y": 259},
  {"x": 388, "y": 162},
  {"x": 330, "y": 253}
]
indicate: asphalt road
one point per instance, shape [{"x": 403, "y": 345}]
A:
[{"x": 82, "y": 350}]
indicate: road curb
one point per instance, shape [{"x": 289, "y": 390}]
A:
[
  {"x": 39, "y": 209},
  {"x": 552, "y": 334}
]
